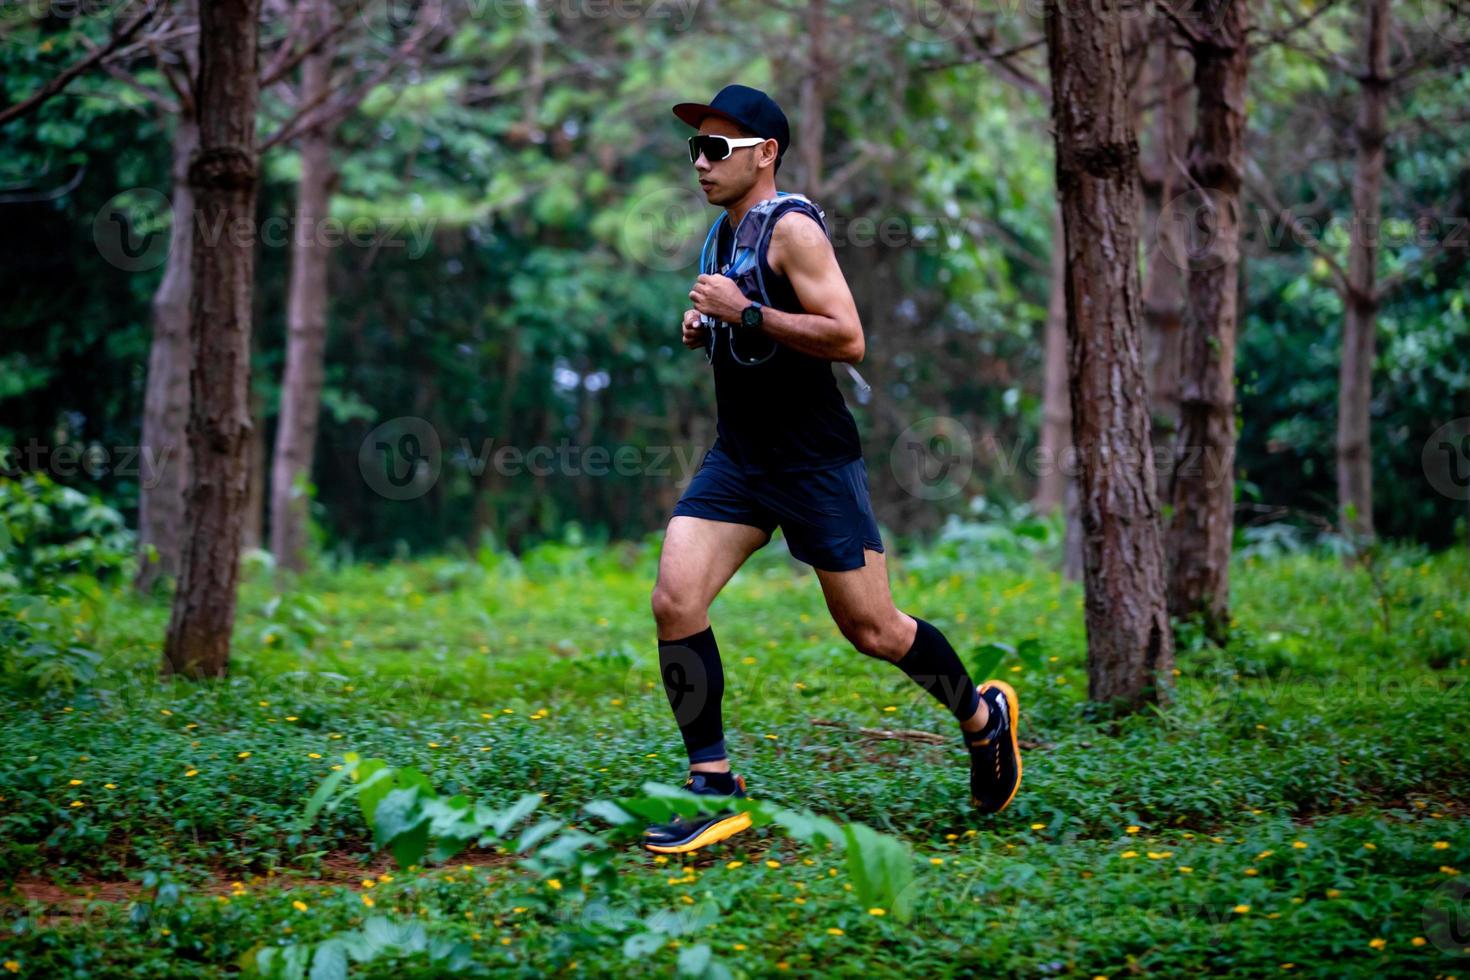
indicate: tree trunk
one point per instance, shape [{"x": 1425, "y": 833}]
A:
[
  {"x": 1355, "y": 375},
  {"x": 810, "y": 135},
  {"x": 1202, "y": 488},
  {"x": 1056, "y": 405},
  {"x": 223, "y": 176},
  {"x": 165, "y": 450},
  {"x": 251, "y": 525},
  {"x": 1130, "y": 649},
  {"x": 1163, "y": 289},
  {"x": 306, "y": 330}
]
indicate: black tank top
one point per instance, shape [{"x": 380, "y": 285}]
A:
[{"x": 787, "y": 414}]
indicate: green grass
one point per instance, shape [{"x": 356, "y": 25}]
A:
[{"x": 1307, "y": 776}]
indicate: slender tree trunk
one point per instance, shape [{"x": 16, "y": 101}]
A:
[
  {"x": 165, "y": 449},
  {"x": 306, "y": 331},
  {"x": 1056, "y": 405},
  {"x": 813, "y": 96},
  {"x": 1129, "y": 646},
  {"x": 1355, "y": 375},
  {"x": 251, "y": 526},
  {"x": 1202, "y": 488},
  {"x": 223, "y": 175},
  {"x": 1163, "y": 289},
  {"x": 1057, "y": 486}
]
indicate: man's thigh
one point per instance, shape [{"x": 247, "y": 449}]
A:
[
  {"x": 699, "y": 556},
  {"x": 860, "y": 593},
  {"x": 863, "y": 609}
]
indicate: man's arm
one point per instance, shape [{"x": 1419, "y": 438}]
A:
[{"x": 830, "y": 328}]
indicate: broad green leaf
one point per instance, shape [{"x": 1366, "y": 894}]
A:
[
  {"x": 536, "y": 834},
  {"x": 319, "y": 798},
  {"x": 376, "y": 781},
  {"x": 517, "y": 812},
  {"x": 609, "y": 811},
  {"x": 642, "y": 944},
  {"x": 399, "y": 812},
  {"x": 988, "y": 657},
  {"x": 329, "y": 962},
  {"x": 694, "y": 960}
]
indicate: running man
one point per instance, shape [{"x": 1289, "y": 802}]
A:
[{"x": 787, "y": 454}]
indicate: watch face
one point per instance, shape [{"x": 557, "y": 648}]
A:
[{"x": 751, "y": 316}]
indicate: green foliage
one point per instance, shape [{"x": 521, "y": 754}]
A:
[
  {"x": 49, "y": 531},
  {"x": 488, "y": 686}
]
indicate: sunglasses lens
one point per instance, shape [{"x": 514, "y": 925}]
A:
[{"x": 714, "y": 148}]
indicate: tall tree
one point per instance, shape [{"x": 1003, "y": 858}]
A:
[
  {"x": 1362, "y": 299},
  {"x": 166, "y": 400},
  {"x": 1056, "y": 402},
  {"x": 166, "y": 395},
  {"x": 1129, "y": 644},
  {"x": 306, "y": 316},
  {"x": 223, "y": 176},
  {"x": 1202, "y": 484},
  {"x": 1164, "y": 172},
  {"x": 322, "y": 103}
]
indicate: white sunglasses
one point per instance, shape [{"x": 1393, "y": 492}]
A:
[{"x": 716, "y": 148}]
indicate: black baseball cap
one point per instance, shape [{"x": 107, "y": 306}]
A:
[{"x": 746, "y": 107}]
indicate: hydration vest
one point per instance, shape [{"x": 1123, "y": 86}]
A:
[{"x": 752, "y": 240}]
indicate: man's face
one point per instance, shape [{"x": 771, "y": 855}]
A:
[{"x": 726, "y": 181}]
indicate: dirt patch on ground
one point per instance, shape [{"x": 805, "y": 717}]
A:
[{"x": 52, "y": 902}]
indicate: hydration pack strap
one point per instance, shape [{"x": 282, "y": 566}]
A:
[{"x": 753, "y": 240}]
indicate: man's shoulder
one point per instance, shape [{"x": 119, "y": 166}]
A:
[{"x": 796, "y": 229}]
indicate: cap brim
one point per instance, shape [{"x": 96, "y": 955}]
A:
[{"x": 693, "y": 113}]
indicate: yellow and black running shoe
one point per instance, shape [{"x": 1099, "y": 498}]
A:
[
  {"x": 995, "y": 756},
  {"x": 687, "y": 834}
]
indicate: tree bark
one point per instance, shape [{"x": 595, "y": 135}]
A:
[
  {"x": 165, "y": 449},
  {"x": 253, "y": 521},
  {"x": 811, "y": 135},
  {"x": 1163, "y": 289},
  {"x": 1355, "y": 375},
  {"x": 223, "y": 176},
  {"x": 306, "y": 327},
  {"x": 1056, "y": 404},
  {"x": 1130, "y": 649},
  {"x": 1202, "y": 485}
]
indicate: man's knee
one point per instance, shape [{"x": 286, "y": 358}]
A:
[
  {"x": 676, "y": 611},
  {"x": 873, "y": 636}
]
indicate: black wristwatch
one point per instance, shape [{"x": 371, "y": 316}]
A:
[{"x": 750, "y": 317}]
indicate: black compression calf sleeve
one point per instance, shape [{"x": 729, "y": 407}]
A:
[
  {"x": 694, "y": 681},
  {"x": 934, "y": 666}
]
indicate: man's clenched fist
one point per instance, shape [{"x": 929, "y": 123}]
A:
[
  {"x": 694, "y": 334},
  {"x": 719, "y": 297}
]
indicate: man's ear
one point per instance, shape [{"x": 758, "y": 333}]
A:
[{"x": 763, "y": 147}]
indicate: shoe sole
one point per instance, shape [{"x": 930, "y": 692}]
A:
[
  {"x": 713, "y": 834},
  {"x": 1013, "y": 704}
]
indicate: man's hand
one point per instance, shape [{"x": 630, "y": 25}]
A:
[
  {"x": 719, "y": 297},
  {"x": 694, "y": 334}
]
